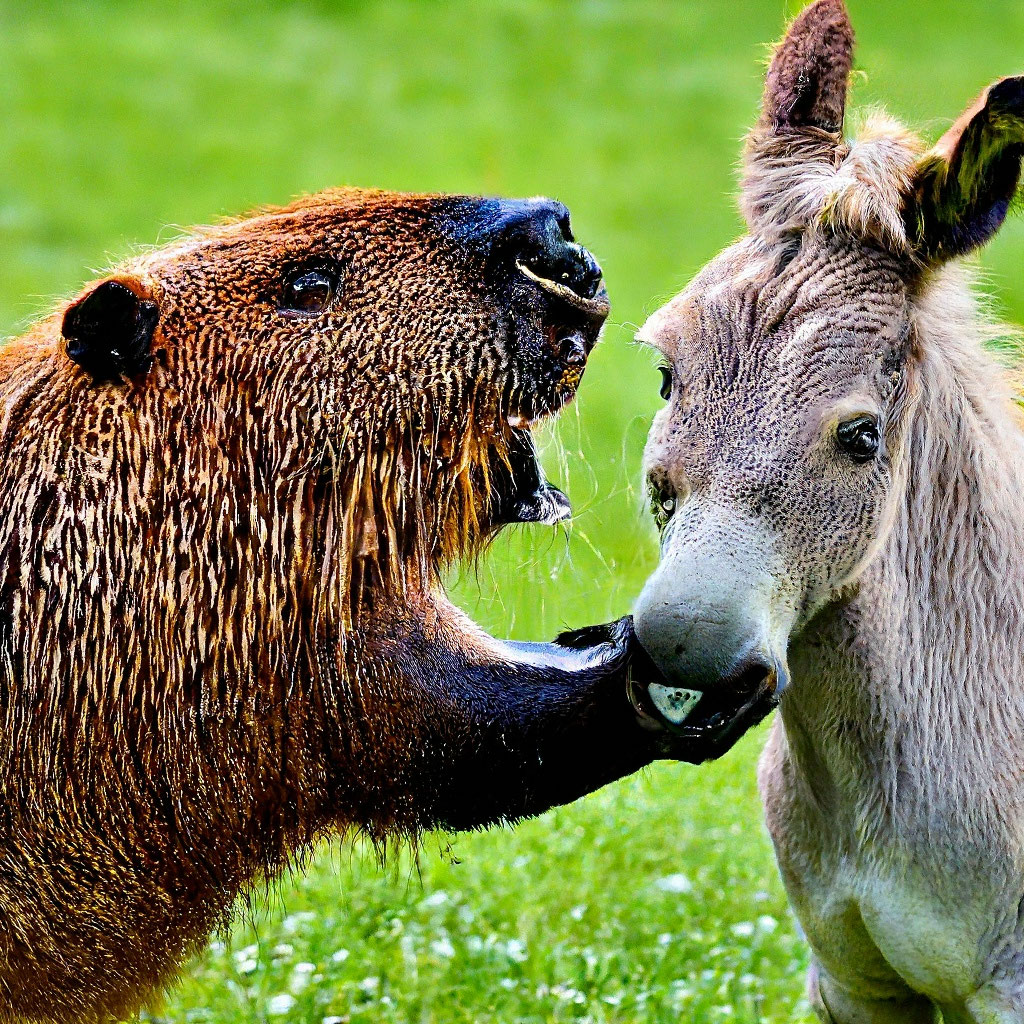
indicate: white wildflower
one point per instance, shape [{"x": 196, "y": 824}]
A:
[
  {"x": 677, "y": 883},
  {"x": 301, "y": 973},
  {"x": 280, "y": 1004},
  {"x": 293, "y": 922},
  {"x": 516, "y": 950}
]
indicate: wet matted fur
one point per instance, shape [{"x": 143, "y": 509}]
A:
[{"x": 232, "y": 473}]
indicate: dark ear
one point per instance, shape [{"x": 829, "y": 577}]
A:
[
  {"x": 799, "y": 132},
  {"x": 808, "y": 75},
  {"x": 108, "y": 332},
  {"x": 963, "y": 187}
]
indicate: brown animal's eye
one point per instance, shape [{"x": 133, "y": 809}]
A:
[
  {"x": 859, "y": 438},
  {"x": 309, "y": 289},
  {"x": 666, "y": 382}
]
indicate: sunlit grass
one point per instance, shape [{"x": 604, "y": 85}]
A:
[{"x": 655, "y": 899}]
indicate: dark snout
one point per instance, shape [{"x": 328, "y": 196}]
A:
[
  {"x": 547, "y": 292},
  {"x": 549, "y": 304},
  {"x": 534, "y": 235},
  {"x": 538, "y": 235}
]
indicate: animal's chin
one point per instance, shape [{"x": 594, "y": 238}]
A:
[
  {"x": 520, "y": 492},
  {"x": 541, "y": 385}
]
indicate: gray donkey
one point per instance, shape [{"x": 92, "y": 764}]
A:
[{"x": 839, "y": 476}]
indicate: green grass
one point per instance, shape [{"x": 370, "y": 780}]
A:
[{"x": 656, "y": 899}]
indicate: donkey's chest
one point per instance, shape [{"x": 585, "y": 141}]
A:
[
  {"x": 879, "y": 912},
  {"x": 882, "y": 930}
]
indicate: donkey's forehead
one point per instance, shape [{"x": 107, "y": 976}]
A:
[
  {"x": 750, "y": 303},
  {"x": 748, "y": 263}
]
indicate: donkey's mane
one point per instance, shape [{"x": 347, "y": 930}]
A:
[
  {"x": 813, "y": 179},
  {"x": 794, "y": 180}
]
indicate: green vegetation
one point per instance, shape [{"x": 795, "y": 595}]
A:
[{"x": 656, "y": 899}]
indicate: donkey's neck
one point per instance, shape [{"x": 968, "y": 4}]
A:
[{"x": 912, "y": 693}]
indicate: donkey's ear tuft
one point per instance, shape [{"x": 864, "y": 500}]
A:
[
  {"x": 963, "y": 188},
  {"x": 108, "y": 331},
  {"x": 808, "y": 75}
]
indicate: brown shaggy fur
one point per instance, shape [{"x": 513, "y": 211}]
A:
[{"x": 217, "y": 582}]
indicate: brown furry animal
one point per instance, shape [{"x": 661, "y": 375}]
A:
[{"x": 232, "y": 473}]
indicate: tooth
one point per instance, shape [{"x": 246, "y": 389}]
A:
[
  {"x": 555, "y": 287},
  {"x": 673, "y": 703}
]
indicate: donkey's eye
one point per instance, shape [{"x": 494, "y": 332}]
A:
[
  {"x": 859, "y": 438},
  {"x": 666, "y": 382},
  {"x": 663, "y": 506},
  {"x": 309, "y": 289}
]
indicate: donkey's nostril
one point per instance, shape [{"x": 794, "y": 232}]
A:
[{"x": 751, "y": 676}]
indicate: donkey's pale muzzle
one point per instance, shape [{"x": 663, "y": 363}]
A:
[{"x": 704, "y": 620}]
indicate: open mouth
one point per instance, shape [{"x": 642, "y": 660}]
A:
[
  {"x": 702, "y": 724},
  {"x": 524, "y": 494},
  {"x": 574, "y": 305},
  {"x": 520, "y": 492}
]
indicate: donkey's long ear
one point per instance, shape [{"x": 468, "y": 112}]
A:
[
  {"x": 808, "y": 75},
  {"x": 962, "y": 189},
  {"x": 800, "y": 128}
]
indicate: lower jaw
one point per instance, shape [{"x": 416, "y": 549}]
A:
[{"x": 700, "y": 734}]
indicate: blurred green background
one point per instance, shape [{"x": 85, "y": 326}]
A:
[{"x": 656, "y": 899}]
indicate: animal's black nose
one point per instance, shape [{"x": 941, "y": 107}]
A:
[
  {"x": 536, "y": 235},
  {"x": 568, "y": 264},
  {"x": 539, "y": 234}
]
